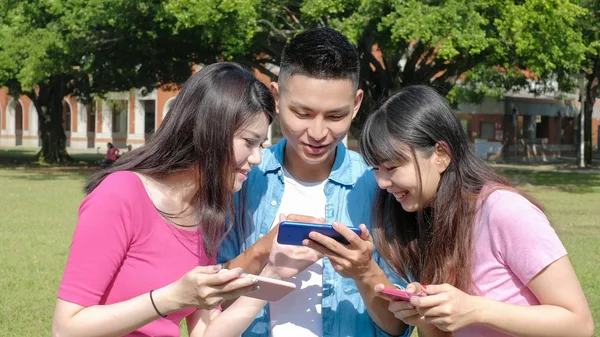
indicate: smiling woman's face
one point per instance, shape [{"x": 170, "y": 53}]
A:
[
  {"x": 247, "y": 144},
  {"x": 402, "y": 179}
]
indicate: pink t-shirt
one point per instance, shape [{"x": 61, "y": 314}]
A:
[
  {"x": 123, "y": 248},
  {"x": 513, "y": 242},
  {"x": 111, "y": 154}
]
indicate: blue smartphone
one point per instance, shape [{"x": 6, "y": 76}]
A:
[{"x": 293, "y": 233}]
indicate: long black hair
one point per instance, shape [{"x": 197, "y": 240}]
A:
[
  {"x": 434, "y": 245},
  {"x": 198, "y": 134}
]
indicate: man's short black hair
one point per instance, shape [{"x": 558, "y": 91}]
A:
[{"x": 322, "y": 53}]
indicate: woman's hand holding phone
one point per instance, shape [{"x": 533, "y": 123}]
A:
[
  {"x": 447, "y": 307},
  {"x": 205, "y": 288},
  {"x": 402, "y": 308}
]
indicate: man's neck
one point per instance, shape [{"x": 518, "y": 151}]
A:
[{"x": 302, "y": 171}]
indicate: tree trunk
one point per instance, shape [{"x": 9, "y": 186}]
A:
[
  {"x": 591, "y": 92},
  {"x": 48, "y": 103}
]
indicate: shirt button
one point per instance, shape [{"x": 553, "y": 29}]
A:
[
  {"x": 260, "y": 235},
  {"x": 273, "y": 203},
  {"x": 279, "y": 173}
]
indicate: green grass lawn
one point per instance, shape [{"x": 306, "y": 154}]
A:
[
  {"x": 39, "y": 212},
  {"x": 10, "y": 157}
]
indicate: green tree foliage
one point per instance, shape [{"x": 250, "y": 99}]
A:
[
  {"x": 91, "y": 47},
  {"x": 51, "y": 49},
  {"x": 432, "y": 42},
  {"x": 31, "y": 49}
]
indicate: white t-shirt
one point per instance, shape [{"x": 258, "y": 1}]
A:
[{"x": 299, "y": 313}]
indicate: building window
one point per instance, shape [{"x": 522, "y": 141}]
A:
[
  {"x": 149, "y": 116},
  {"x": 542, "y": 127},
  {"x": 465, "y": 125},
  {"x": 488, "y": 130},
  {"x": 18, "y": 116},
  {"x": 118, "y": 110},
  {"x": 66, "y": 116},
  {"x": 91, "y": 117}
]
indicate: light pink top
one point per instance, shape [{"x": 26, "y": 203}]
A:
[
  {"x": 123, "y": 248},
  {"x": 513, "y": 242}
]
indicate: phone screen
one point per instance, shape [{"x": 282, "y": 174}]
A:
[{"x": 293, "y": 233}]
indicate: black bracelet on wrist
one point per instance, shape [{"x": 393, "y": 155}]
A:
[{"x": 154, "y": 305}]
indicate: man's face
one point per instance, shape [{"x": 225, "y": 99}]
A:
[{"x": 315, "y": 114}]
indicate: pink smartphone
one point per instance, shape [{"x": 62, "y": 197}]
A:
[
  {"x": 271, "y": 290},
  {"x": 399, "y": 295}
]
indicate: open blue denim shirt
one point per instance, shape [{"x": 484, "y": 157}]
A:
[{"x": 350, "y": 191}]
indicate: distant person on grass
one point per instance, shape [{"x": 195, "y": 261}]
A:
[{"x": 112, "y": 153}]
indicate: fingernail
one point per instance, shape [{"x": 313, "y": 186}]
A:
[
  {"x": 335, "y": 225},
  {"x": 255, "y": 288},
  {"x": 217, "y": 267},
  {"x": 424, "y": 286},
  {"x": 240, "y": 271}
]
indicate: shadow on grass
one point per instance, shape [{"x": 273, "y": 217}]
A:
[
  {"x": 16, "y": 157},
  {"x": 563, "y": 181},
  {"x": 10, "y": 158},
  {"x": 18, "y": 164}
]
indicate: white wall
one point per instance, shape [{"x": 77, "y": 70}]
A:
[
  {"x": 489, "y": 106},
  {"x": 10, "y": 124}
]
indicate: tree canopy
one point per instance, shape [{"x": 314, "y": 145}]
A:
[
  {"x": 495, "y": 43},
  {"x": 87, "y": 48}
]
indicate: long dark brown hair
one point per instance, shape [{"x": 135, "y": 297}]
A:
[
  {"x": 434, "y": 244},
  {"x": 197, "y": 134}
]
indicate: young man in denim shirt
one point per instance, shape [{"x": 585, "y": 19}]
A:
[{"x": 310, "y": 172}]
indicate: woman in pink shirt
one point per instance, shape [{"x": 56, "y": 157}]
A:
[
  {"x": 111, "y": 153},
  {"x": 143, "y": 252},
  {"x": 492, "y": 263},
  {"x": 110, "y": 157}
]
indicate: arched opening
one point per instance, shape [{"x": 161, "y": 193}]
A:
[
  {"x": 34, "y": 125},
  {"x": 119, "y": 118},
  {"x": 91, "y": 124},
  {"x": 18, "y": 123},
  {"x": 149, "y": 118},
  {"x": 66, "y": 114}
]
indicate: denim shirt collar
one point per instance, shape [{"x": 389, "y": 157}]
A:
[{"x": 341, "y": 171}]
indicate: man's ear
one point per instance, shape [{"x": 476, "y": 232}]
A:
[
  {"x": 276, "y": 95},
  {"x": 357, "y": 102},
  {"x": 442, "y": 158}
]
